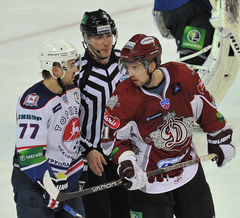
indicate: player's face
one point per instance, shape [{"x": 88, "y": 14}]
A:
[
  {"x": 137, "y": 73},
  {"x": 102, "y": 45},
  {"x": 70, "y": 73}
]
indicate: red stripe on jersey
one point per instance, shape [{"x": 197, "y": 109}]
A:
[
  {"x": 74, "y": 167},
  {"x": 27, "y": 147}
]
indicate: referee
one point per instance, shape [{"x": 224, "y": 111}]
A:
[{"x": 97, "y": 80}]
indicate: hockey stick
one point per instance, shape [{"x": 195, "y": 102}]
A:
[
  {"x": 60, "y": 196},
  {"x": 71, "y": 211},
  {"x": 205, "y": 49}
]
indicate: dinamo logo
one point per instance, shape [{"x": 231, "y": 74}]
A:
[{"x": 173, "y": 134}]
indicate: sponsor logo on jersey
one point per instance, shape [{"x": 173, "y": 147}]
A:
[
  {"x": 171, "y": 161},
  {"x": 31, "y": 100},
  {"x": 31, "y": 156},
  {"x": 112, "y": 122},
  {"x": 153, "y": 117},
  {"x": 57, "y": 108},
  {"x": 28, "y": 117},
  {"x": 176, "y": 88},
  {"x": 165, "y": 103},
  {"x": 173, "y": 134}
]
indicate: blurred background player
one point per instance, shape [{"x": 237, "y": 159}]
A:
[
  {"x": 48, "y": 135},
  {"x": 187, "y": 21},
  {"x": 97, "y": 80},
  {"x": 151, "y": 117}
]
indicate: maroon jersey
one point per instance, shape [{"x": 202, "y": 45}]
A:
[{"x": 158, "y": 128}]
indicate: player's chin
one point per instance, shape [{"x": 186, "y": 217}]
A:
[{"x": 136, "y": 83}]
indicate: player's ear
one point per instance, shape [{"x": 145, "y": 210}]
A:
[
  {"x": 56, "y": 71},
  {"x": 152, "y": 66}
]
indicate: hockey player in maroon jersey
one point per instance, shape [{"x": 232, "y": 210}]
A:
[{"x": 151, "y": 117}]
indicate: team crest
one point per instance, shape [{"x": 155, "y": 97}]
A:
[
  {"x": 70, "y": 133},
  {"x": 31, "y": 100},
  {"x": 173, "y": 133}
]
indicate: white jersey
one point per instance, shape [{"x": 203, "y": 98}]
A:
[{"x": 48, "y": 133}]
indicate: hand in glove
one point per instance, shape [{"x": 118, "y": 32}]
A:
[
  {"x": 220, "y": 143},
  {"x": 60, "y": 181},
  {"x": 129, "y": 170}
]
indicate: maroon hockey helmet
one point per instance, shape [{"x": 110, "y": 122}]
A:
[{"x": 142, "y": 48}]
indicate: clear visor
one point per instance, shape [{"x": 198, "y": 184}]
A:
[{"x": 124, "y": 69}]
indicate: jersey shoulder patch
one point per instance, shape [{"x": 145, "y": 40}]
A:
[{"x": 36, "y": 97}]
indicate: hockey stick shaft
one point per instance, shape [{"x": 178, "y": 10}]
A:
[
  {"x": 205, "y": 49},
  {"x": 60, "y": 196},
  {"x": 71, "y": 211}
]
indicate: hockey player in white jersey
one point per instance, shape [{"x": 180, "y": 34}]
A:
[{"x": 48, "y": 135}]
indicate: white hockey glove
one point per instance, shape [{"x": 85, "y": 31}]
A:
[
  {"x": 221, "y": 143},
  {"x": 129, "y": 170},
  {"x": 62, "y": 184}
]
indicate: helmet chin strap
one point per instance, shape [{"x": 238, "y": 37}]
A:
[
  {"x": 150, "y": 77},
  {"x": 59, "y": 80}
]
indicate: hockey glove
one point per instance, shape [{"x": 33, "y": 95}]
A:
[
  {"x": 62, "y": 184},
  {"x": 220, "y": 143},
  {"x": 133, "y": 175}
]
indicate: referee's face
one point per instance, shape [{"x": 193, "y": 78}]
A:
[{"x": 101, "y": 46}]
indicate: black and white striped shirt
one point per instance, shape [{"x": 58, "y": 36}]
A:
[{"x": 96, "y": 82}]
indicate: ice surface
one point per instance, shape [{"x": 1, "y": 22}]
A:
[{"x": 26, "y": 24}]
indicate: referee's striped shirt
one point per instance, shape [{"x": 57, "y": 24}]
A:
[{"x": 96, "y": 82}]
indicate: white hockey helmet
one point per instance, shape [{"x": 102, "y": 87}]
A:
[{"x": 56, "y": 50}]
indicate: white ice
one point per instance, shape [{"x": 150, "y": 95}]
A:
[{"x": 25, "y": 24}]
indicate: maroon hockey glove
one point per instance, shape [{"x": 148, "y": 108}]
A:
[
  {"x": 221, "y": 144},
  {"x": 133, "y": 175},
  {"x": 126, "y": 170}
]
